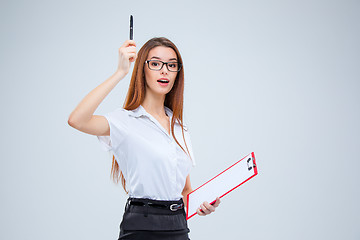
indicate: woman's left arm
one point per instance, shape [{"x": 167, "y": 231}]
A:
[
  {"x": 205, "y": 208},
  {"x": 187, "y": 189}
]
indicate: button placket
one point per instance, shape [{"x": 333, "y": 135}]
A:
[
  {"x": 174, "y": 160},
  {"x": 156, "y": 122}
]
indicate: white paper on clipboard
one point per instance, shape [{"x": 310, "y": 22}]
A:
[{"x": 220, "y": 185}]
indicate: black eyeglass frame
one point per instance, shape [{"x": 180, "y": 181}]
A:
[{"x": 163, "y": 63}]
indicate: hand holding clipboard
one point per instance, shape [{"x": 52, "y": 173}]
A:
[{"x": 222, "y": 184}]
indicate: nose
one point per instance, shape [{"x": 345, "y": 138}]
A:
[{"x": 164, "y": 69}]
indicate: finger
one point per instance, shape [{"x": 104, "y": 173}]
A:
[
  {"x": 199, "y": 212},
  {"x": 210, "y": 207},
  {"x": 125, "y": 50},
  {"x": 205, "y": 210},
  {"x": 129, "y": 43},
  {"x": 130, "y": 48},
  {"x": 131, "y": 55},
  {"x": 133, "y": 58},
  {"x": 216, "y": 204}
]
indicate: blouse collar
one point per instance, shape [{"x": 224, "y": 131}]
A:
[{"x": 140, "y": 111}]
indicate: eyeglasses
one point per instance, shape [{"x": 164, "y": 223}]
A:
[{"x": 157, "y": 65}]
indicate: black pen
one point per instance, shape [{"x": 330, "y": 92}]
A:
[{"x": 131, "y": 27}]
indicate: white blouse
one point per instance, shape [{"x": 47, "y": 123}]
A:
[{"x": 153, "y": 164}]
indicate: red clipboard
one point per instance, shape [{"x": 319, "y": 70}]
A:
[{"x": 222, "y": 184}]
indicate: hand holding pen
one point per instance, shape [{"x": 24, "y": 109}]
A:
[{"x": 127, "y": 52}]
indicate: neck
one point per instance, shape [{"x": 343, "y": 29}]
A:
[{"x": 154, "y": 104}]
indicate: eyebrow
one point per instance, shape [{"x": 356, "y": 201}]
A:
[{"x": 160, "y": 58}]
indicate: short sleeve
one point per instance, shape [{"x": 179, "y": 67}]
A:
[
  {"x": 117, "y": 120},
  {"x": 189, "y": 145}
]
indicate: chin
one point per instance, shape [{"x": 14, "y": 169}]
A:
[
  {"x": 163, "y": 92},
  {"x": 159, "y": 91}
]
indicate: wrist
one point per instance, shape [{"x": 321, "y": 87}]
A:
[{"x": 119, "y": 74}]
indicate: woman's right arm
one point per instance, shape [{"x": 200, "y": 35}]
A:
[{"x": 82, "y": 117}]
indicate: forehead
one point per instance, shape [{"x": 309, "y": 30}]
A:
[{"x": 164, "y": 53}]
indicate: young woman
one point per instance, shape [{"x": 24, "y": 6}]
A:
[{"x": 151, "y": 145}]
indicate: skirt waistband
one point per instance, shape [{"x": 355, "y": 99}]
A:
[
  {"x": 156, "y": 201},
  {"x": 150, "y": 214},
  {"x": 146, "y": 205}
]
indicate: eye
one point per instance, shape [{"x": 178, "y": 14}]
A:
[
  {"x": 154, "y": 63},
  {"x": 173, "y": 65}
]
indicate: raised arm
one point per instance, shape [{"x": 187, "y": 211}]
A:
[{"x": 82, "y": 118}]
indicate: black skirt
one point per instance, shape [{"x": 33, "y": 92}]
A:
[{"x": 142, "y": 221}]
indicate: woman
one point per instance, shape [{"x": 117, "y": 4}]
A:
[{"x": 151, "y": 146}]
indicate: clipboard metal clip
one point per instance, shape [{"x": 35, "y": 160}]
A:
[{"x": 249, "y": 164}]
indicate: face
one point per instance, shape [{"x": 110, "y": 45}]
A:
[{"x": 155, "y": 79}]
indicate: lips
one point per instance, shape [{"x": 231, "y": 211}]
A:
[{"x": 163, "y": 80}]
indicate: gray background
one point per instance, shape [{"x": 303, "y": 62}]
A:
[{"x": 280, "y": 78}]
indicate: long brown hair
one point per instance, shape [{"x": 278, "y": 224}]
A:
[{"x": 137, "y": 89}]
